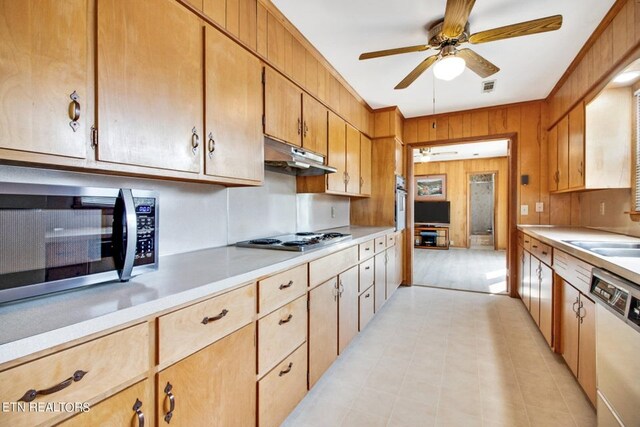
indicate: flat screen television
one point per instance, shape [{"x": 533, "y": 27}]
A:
[{"x": 432, "y": 212}]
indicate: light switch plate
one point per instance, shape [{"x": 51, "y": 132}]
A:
[
  {"x": 539, "y": 207},
  {"x": 524, "y": 209},
  {"x": 602, "y": 206}
]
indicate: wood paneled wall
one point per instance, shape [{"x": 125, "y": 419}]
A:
[{"x": 457, "y": 193}]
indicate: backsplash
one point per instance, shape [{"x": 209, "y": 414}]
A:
[
  {"x": 616, "y": 203},
  {"x": 195, "y": 216}
]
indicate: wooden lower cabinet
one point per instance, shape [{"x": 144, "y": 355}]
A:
[
  {"x": 214, "y": 387},
  {"x": 570, "y": 326},
  {"x": 365, "y": 308},
  {"x": 323, "y": 329},
  {"x": 526, "y": 279},
  {"x": 521, "y": 272},
  {"x": 390, "y": 275},
  {"x": 534, "y": 289},
  {"x": 347, "y": 307},
  {"x": 282, "y": 389},
  {"x": 133, "y": 406},
  {"x": 380, "y": 280},
  {"x": 546, "y": 303}
]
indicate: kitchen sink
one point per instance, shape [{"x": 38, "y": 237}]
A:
[{"x": 609, "y": 249}]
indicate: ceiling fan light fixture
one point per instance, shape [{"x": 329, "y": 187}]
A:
[
  {"x": 626, "y": 77},
  {"x": 449, "y": 67}
]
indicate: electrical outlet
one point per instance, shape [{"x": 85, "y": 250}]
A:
[
  {"x": 450, "y": 242},
  {"x": 333, "y": 211},
  {"x": 602, "y": 208},
  {"x": 539, "y": 207},
  {"x": 524, "y": 209}
]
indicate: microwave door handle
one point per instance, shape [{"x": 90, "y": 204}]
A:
[{"x": 131, "y": 224}]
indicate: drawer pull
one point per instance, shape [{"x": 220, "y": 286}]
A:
[
  {"x": 544, "y": 253},
  {"x": 368, "y": 267},
  {"x": 32, "y": 394},
  {"x": 366, "y": 249},
  {"x": 367, "y": 295},
  {"x": 534, "y": 246},
  {"x": 286, "y": 371},
  {"x": 214, "y": 318},
  {"x": 287, "y": 320},
  {"x": 136, "y": 408},
  {"x": 288, "y": 285},
  {"x": 172, "y": 402}
]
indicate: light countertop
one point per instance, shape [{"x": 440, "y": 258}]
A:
[{"x": 34, "y": 325}]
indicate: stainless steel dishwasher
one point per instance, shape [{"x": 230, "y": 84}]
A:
[{"x": 617, "y": 349}]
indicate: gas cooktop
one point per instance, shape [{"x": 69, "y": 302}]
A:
[{"x": 299, "y": 242}]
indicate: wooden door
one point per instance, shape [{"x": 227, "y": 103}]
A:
[
  {"x": 282, "y": 108},
  {"x": 534, "y": 290},
  {"x": 150, "y": 100},
  {"x": 347, "y": 307},
  {"x": 526, "y": 276},
  {"x": 314, "y": 132},
  {"x": 546, "y": 303},
  {"x": 587, "y": 347},
  {"x": 576, "y": 147},
  {"x": 553, "y": 158},
  {"x": 391, "y": 271},
  {"x": 323, "y": 329},
  {"x": 353, "y": 160},
  {"x": 214, "y": 387},
  {"x": 365, "y": 166},
  {"x": 125, "y": 408},
  {"x": 43, "y": 61},
  {"x": 234, "y": 141},
  {"x": 336, "y": 156},
  {"x": 569, "y": 326},
  {"x": 380, "y": 280},
  {"x": 563, "y": 153}
]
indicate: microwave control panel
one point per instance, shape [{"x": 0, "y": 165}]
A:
[{"x": 146, "y": 215}]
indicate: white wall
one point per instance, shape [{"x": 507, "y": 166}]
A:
[{"x": 196, "y": 216}]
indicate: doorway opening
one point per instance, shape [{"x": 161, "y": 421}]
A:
[{"x": 482, "y": 201}]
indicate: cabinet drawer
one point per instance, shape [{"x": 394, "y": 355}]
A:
[
  {"x": 280, "y": 333},
  {"x": 282, "y": 389},
  {"x": 365, "y": 303},
  {"x": 381, "y": 244},
  {"x": 367, "y": 273},
  {"x": 330, "y": 266},
  {"x": 541, "y": 251},
  {"x": 366, "y": 249},
  {"x": 527, "y": 241},
  {"x": 281, "y": 288},
  {"x": 188, "y": 330},
  {"x": 573, "y": 270},
  {"x": 391, "y": 239},
  {"x": 106, "y": 362}
]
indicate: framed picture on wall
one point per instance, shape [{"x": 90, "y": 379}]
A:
[{"x": 431, "y": 188}]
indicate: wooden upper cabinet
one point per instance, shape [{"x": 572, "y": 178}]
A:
[
  {"x": 563, "y": 154},
  {"x": 314, "y": 132},
  {"x": 150, "y": 101},
  {"x": 299, "y": 61},
  {"x": 553, "y": 158},
  {"x": 576, "y": 147},
  {"x": 282, "y": 108},
  {"x": 234, "y": 141},
  {"x": 365, "y": 165},
  {"x": 241, "y": 20},
  {"x": 43, "y": 51},
  {"x": 336, "y": 153},
  {"x": 216, "y": 10},
  {"x": 353, "y": 160}
]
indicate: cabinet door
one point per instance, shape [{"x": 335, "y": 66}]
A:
[
  {"x": 546, "y": 302},
  {"x": 133, "y": 406},
  {"x": 314, "y": 133},
  {"x": 336, "y": 153},
  {"x": 534, "y": 292},
  {"x": 323, "y": 329},
  {"x": 380, "y": 280},
  {"x": 399, "y": 259},
  {"x": 569, "y": 326},
  {"x": 347, "y": 307},
  {"x": 563, "y": 153},
  {"x": 282, "y": 108},
  {"x": 216, "y": 10},
  {"x": 365, "y": 166},
  {"x": 43, "y": 60},
  {"x": 391, "y": 271},
  {"x": 234, "y": 141},
  {"x": 353, "y": 160},
  {"x": 521, "y": 272},
  {"x": 526, "y": 279},
  {"x": 215, "y": 386},
  {"x": 587, "y": 348},
  {"x": 576, "y": 147},
  {"x": 553, "y": 158},
  {"x": 150, "y": 100}
]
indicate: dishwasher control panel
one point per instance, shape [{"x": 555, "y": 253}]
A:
[{"x": 609, "y": 293}]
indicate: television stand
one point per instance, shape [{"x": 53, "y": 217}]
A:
[{"x": 431, "y": 237}]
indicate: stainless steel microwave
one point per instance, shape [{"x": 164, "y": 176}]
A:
[{"x": 54, "y": 238}]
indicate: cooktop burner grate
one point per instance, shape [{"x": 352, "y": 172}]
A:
[
  {"x": 265, "y": 242},
  {"x": 297, "y": 243},
  {"x": 306, "y": 233}
]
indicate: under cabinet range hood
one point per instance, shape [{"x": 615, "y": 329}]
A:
[{"x": 290, "y": 160}]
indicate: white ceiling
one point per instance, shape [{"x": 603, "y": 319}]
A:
[
  {"x": 530, "y": 66},
  {"x": 475, "y": 150}
]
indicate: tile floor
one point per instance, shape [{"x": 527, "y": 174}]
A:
[{"x": 447, "y": 358}]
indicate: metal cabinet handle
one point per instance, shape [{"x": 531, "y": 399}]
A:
[
  {"x": 348, "y": 177},
  {"x": 287, "y": 320},
  {"x": 172, "y": 402},
  {"x": 74, "y": 111},
  {"x": 32, "y": 394},
  {"x": 299, "y": 126},
  {"x": 544, "y": 253},
  {"x": 214, "y": 318},
  {"x": 573, "y": 307},
  {"x": 288, "y": 285},
  {"x": 580, "y": 169},
  {"x": 361, "y": 182},
  {"x": 366, "y": 249},
  {"x": 340, "y": 287},
  {"x": 534, "y": 246},
  {"x": 306, "y": 129},
  {"x": 286, "y": 371},
  {"x": 368, "y": 267},
  {"x": 195, "y": 140},
  {"x": 578, "y": 313},
  {"x": 211, "y": 143},
  {"x": 367, "y": 295},
  {"x": 139, "y": 413}
]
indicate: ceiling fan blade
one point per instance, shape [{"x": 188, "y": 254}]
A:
[
  {"x": 456, "y": 16},
  {"x": 542, "y": 25},
  {"x": 413, "y": 75},
  {"x": 477, "y": 63},
  {"x": 388, "y": 52}
]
